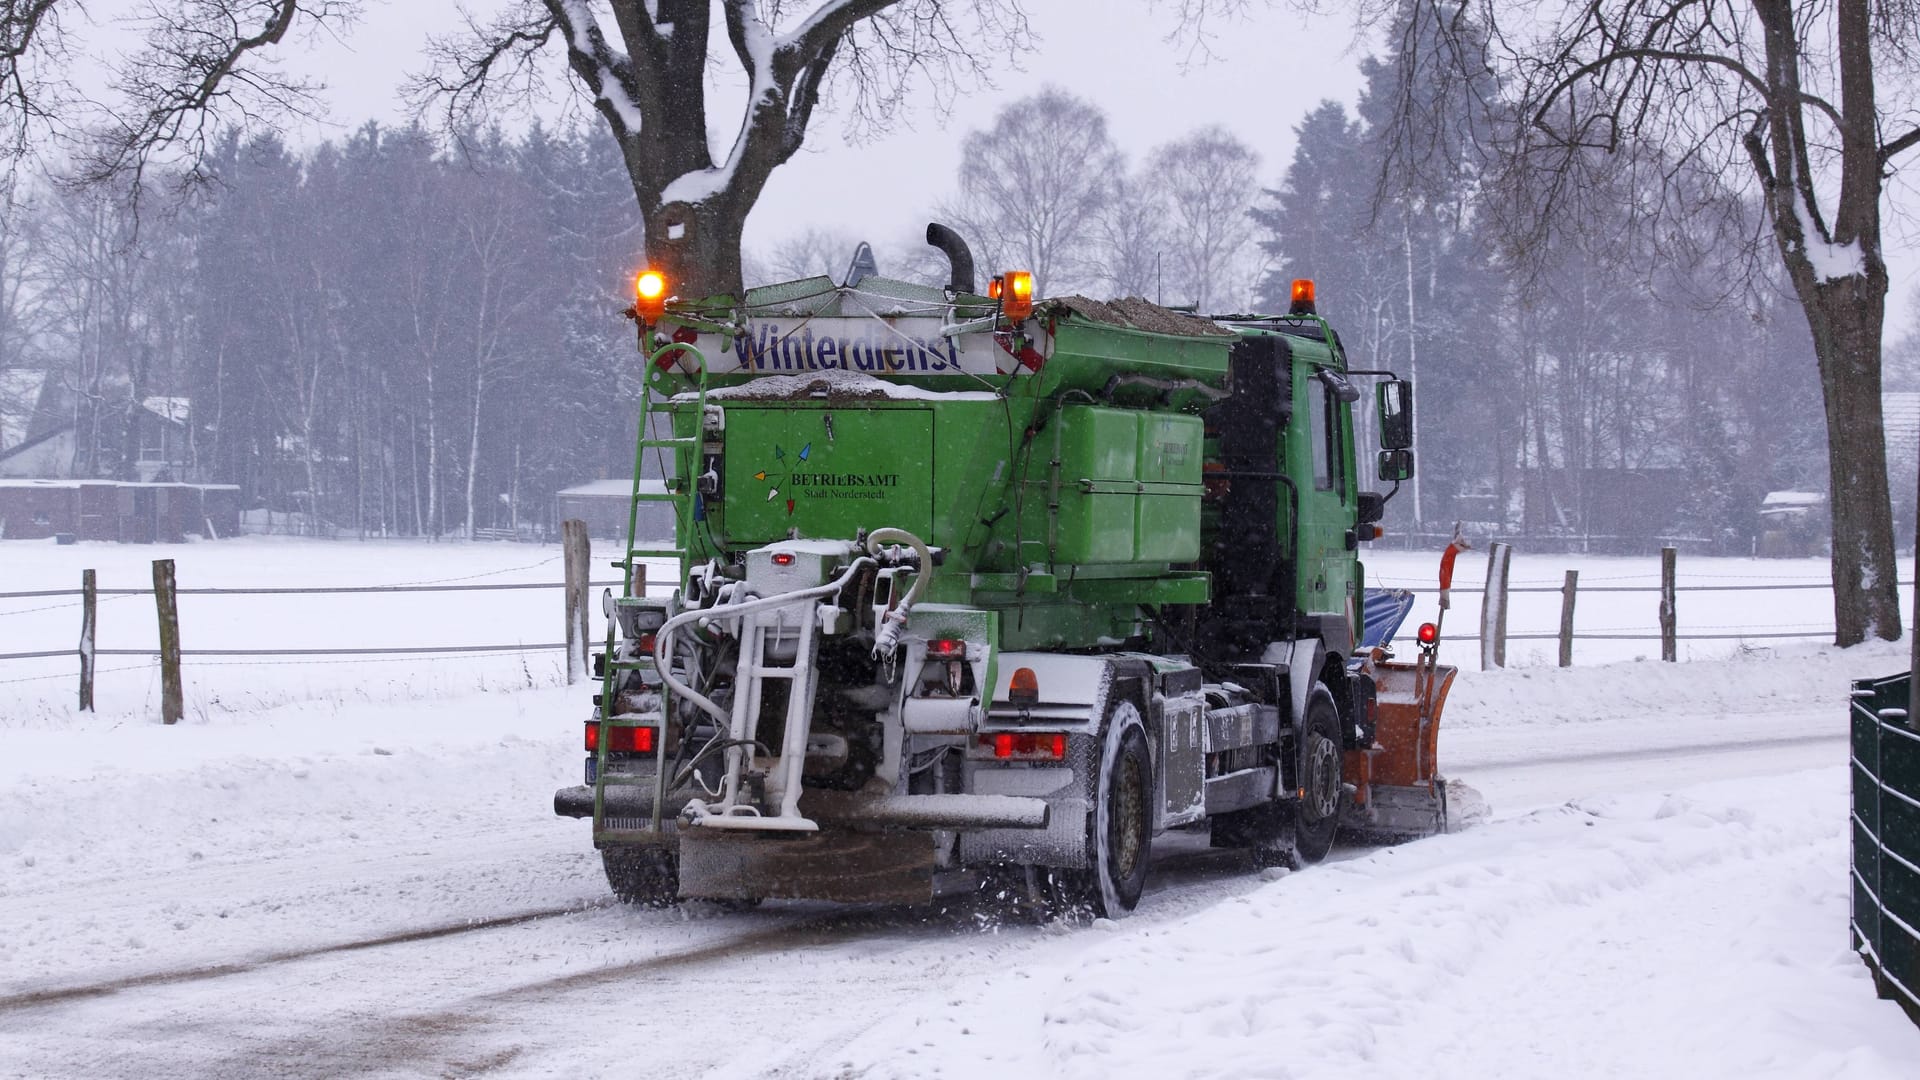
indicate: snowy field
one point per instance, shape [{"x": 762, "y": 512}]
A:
[
  {"x": 353, "y": 869},
  {"x": 45, "y": 690}
]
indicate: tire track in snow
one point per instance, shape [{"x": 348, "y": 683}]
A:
[{"x": 59, "y": 995}]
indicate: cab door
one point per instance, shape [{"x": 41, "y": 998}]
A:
[{"x": 1324, "y": 445}]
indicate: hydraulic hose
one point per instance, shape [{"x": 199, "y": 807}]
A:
[{"x": 887, "y": 634}]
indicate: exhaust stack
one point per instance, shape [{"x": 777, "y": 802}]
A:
[{"x": 958, "y": 256}]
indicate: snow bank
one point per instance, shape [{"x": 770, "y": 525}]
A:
[{"x": 1693, "y": 934}]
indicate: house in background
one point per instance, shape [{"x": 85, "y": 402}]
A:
[
  {"x": 41, "y": 498},
  {"x": 165, "y": 439},
  {"x": 31, "y": 418},
  {"x": 37, "y": 435}
]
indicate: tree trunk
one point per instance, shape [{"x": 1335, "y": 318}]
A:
[
  {"x": 1846, "y": 316},
  {"x": 1413, "y": 351},
  {"x": 697, "y": 245},
  {"x": 1843, "y": 291},
  {"x": 433, "y": 461},
  {"x": 473, "y": 443}
]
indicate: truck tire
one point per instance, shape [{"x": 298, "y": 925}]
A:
[
  {"x": 647, "y": 876},
  {"x": 1120, "y": 828},
  {"x": 1316, "y": 813},
  {"x": 1294, "y": 831}
]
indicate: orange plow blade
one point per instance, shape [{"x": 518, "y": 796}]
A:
[{"x": 1398, "y": 792}]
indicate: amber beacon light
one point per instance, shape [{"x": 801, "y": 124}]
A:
[
  {"x": 650, "y": 294},
  {"x": 1016, "y": 297},
  {"x": 1302, "y": 297}
]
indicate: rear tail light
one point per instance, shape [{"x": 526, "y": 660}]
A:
[
  {"x": 946, "y": 649},
  {"x": 1024, "y": 745},
  {"x": 621, "y": 740},
  {"x": 783, "y": 558}
]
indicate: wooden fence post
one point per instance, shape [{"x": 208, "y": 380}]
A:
[
  {"x": 164, "y": 603},
  {"x": 1567, "y": 592},
  {"x": 577, "y": 550},
  {"x": 89, "y": 596},
  {"x": 1669, "y": 647},
  {"x": 1493, "y": 608}
]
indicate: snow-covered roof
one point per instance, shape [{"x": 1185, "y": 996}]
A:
[
  {"x": 619, "y": 488},
  {"x": 1793, "y": 498},
  {"x": 175, "y": 409},
  {"x": 40, "y": 482}
]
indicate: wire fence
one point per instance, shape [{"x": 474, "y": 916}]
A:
[
  {"x": 1493, "y": 631},
  {"x": 348, "y": 590},
  {"x": 171, "y": 656}
]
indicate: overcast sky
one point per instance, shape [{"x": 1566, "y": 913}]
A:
[
  {"x": 1264, "y": 73},
  {"x": 1261, "y": 79}
]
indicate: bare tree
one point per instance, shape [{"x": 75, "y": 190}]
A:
[
  {"x": 1208, "y": 178},
  {"x": 813, "y": 253},
  {"x": 1813, "y": 100},
  {"x": 647, "y": 79},
  {"x": 1132, "y": 232},
  {"x": 643, "y": 65},
  {"x": 1033, "y": 187}
]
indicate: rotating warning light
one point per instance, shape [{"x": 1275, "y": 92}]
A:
[
  {"x": 1024, "y": 688},
  {"x": 1429, "y": 633},
  {"x": 996, "y": 288},
  {"x": 1302, "y": 297},
  {"x": 650, "y": 294},
  {"x": 1016, "y": 300}
]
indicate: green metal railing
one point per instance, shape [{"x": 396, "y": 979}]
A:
[{"x": 1886, "y": 838}]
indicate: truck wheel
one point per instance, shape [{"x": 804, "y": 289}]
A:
[
  {"x": 1120, "y": 829},
  {"x": 648, "y": 876},
  {"x": 1316, "y": 814}
]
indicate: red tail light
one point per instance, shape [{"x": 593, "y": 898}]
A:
[
  {"x": 1429, "y": 633},
  {"x": 946, "y": 649},
  {"x": 783, "y": 558},
  {"x": 1026, "y": 745},
  {"x": 621, "y": 740}
]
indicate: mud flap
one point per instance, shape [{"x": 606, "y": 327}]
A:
[{"x": 849, "y": 867}]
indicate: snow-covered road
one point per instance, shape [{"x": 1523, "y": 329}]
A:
[{"x": 375, "y": 889}]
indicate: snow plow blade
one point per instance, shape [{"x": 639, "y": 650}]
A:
[{"x": 1398, "y": 792}]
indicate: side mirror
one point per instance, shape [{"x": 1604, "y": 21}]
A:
[
  {"x": 1393, "y": 400},
  {"x": 1395, "y": 465}
]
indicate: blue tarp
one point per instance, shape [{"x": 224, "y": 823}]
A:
[{"x": 1385, "y": 610}]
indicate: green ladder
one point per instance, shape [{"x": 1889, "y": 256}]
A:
[{"x": 679, "y": 489}]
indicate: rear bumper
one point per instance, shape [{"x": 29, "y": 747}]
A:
[{"x": 837, "y": 808}]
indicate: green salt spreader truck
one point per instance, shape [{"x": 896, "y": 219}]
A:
[{"x": 976, "y": 589}]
